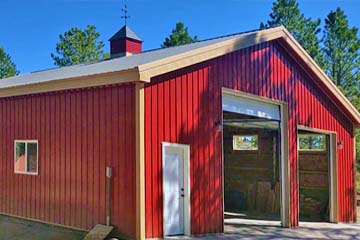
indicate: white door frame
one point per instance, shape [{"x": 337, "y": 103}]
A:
[
  {"x": 187, "y": 214},
  {"x": 333, "y": 213},
  {"x": 284, "y": 154}
]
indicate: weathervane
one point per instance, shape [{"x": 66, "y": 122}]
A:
[{"x": 125, "y": 11}]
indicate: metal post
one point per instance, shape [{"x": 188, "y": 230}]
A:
[
  {"x": 108, "y": 209},
  {"x": 274, "y": 159}
]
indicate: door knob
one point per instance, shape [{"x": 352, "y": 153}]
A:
[
  {"x": 182, "y": 195},
  {"x": 182, "y": 189}
]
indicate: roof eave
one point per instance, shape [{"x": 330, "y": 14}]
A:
[
  {"x": 144, "y": 72},
  {"x": 118, "y": 77}
]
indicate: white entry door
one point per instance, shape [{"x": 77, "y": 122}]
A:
[{"x": 175, "y": 189}]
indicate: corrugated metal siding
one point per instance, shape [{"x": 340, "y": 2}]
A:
[
  {"x": 182, "y": 107},
  {"x": 80, "y": 132},
  {"x": 133, "y": 46},
  {"x": 118, "y": 46},
  {"x": 125, "y": 45}
]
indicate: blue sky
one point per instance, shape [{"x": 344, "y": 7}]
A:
[{"x": 29, "y": 29}]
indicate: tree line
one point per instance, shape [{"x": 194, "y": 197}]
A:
[{"x": 336, "y": 47}]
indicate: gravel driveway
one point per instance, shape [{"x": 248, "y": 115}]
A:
[{"x": 19, "y": 229}]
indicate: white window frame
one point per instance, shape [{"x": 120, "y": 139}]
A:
[
  {"x": 246, "y": 135},
  {"x": 26, "y": 159},
  {"x": 312, "y": 149}
]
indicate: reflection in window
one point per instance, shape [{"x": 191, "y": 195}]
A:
[
  {"x": 312, "y": 142},
  {"x": 20, "y": 157},
  {"x": 245, "y": 142},
  {"x": 26, "y": 157}
]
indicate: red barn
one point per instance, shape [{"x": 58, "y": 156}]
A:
[{"x": 245, "y": 123}]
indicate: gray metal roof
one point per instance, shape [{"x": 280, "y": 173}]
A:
[
  {"x": 125, "y": 32},
  {"x": 111, "y": 64},
  {"x": 142, "y": 64}
]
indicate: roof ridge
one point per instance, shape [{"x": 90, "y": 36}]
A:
[
  {"x": 212, "y": 38},
  {"x": 154, "y": 49}
]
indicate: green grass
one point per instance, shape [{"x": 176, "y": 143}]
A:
[{"x": 320, "y": 194}]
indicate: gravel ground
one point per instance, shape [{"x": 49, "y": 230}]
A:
[{"x": 19, "y": 229}]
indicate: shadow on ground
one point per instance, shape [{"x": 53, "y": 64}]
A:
[
  {"x": 19, "y": 229},
  {"x": 254, "y": 229}
]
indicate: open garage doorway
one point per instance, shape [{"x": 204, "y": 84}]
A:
[
  {"x": 252, "y": 162},
  {"x": 317, "y": 181},
  {"x": 251, "y": 167}
]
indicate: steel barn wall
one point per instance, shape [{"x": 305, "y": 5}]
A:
[
  {"x": 80, "y": 132},
  {"x": 182, "y": 107}
]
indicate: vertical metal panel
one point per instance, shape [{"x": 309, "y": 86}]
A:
[
  {"x": 183, "y": 106},
  {"x": 133, "y": 46},
  {"x": 79, "y": 133}
]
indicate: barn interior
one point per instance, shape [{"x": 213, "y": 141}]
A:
[
  {"x": 313, "y": 157},
  {"x": 251, "y": 167}
]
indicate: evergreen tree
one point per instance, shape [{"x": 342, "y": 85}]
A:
[
  {"x": 179, "y": 36},
  {"x": 341, "y": 49},
  {"x": 79, "y": 46},
  {"x": 305, "y": 30},
  {"x": 341, "y": 52},
  {"x": 7, "y": 66}
]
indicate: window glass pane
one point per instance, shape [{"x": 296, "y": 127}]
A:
[
  {"x": 32, "y": 157},
  {"x": 245, "y": 142},
  {"x": 20, "y": 157},
  {"x": 312, "y": 142}
]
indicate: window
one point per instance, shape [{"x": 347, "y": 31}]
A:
[
  {"x": 312, "y": 142},
  {"x": 26, "y": 157},
  {"x": 245, "y": 142}
]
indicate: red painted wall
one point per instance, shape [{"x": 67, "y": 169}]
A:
[
  {"x": 80, "y": 132},
  {"x": 125, "y": 45},
  {"x": 133, "y": 46},
  {"x": 182, "y": 107}
]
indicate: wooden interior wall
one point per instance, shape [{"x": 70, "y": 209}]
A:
[
  {"x": 314, "y": 169},
  {"x": 314, "y": 185},
  {"x": 80, "y": 132},
  {"x": 242, "y": 168},
  {"x": 183, "y": 106}
]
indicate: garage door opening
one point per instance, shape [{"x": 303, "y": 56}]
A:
[
  {"x": 251, "y": 168},
  {"x": 253, "y": 163},
  {"x": 314, "y": 158}
]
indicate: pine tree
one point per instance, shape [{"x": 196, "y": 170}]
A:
[
  {"x": 79, "y": 46},
  {"x": 341, "y": 52},
  {"x": 7, "y": 66},
  {"x": 341, "y": 49},
  {"x": 305, "y": 30},
  {"x": 179, "y": 36}
]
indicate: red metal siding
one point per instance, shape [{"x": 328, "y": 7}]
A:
[
  {"x": 183, "y": 106},
  {"x": 118, "y": 46},
  {"x": 133, "y": 46},
  {"x": 80, "y": 132},
  {"x": 125, "y": 45}
]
